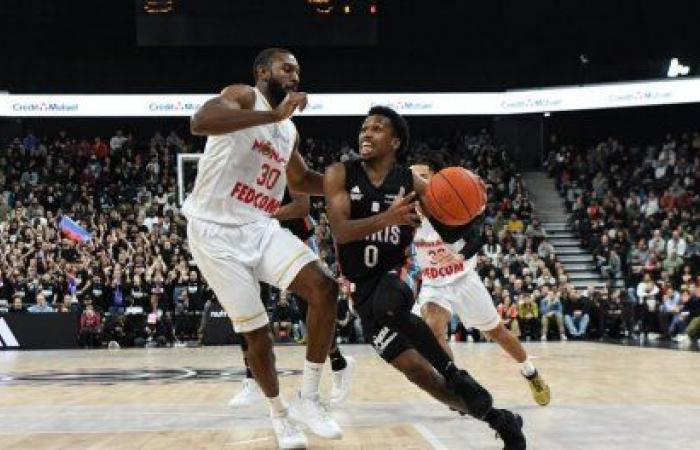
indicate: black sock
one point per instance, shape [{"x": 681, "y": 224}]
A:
[
  {"x": 248, "y": 373},
  {"x": 493, "y": 417},
  {"x": 337, "y": 360},
  {"x": 422, "y": 338},
  {"x": 244, "y": 348}
]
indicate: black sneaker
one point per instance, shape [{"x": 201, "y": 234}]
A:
[
  {"x": 476, "y": 398},
  {"x": 509, "y": 427}
]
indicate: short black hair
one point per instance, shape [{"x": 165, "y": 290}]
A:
[
  {"x": 265, "y": 58},
  {"x": 434, "y": 160},
  {"x": 398, "y": 123}
]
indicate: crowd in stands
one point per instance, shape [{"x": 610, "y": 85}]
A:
[
  {"x": 136, "y": 264},
  {"x": 121, "y": 191},
  {"x": 636, "y": 208}
]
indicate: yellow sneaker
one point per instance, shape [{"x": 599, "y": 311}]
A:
[{"x": 540, "y": 390}]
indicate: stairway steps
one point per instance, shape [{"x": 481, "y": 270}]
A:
[
  {"x": 564, "y": 242},
  {"x": 578, "y": 267},
  {"x": 586, "y": 274},
  {"x": 582, "y": 285},
  {"x": 552, "y": 234},
  {"x": 549, "y": 207},
  {"x": 571, "y": 251},
  {"x": 555, "y": 226},
  {"x": 582, "y": 258}
]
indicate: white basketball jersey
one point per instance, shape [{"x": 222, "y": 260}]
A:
[
  {"x": 241, "y": 176},
  {"x": 439, "y": 264}
]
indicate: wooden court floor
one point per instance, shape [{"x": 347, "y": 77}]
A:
[{"x": 604, "y": 397}]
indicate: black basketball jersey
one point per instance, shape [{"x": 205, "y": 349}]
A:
[
  {"x": 364, "y": 262},
  {"x": 302, "y": 228}
]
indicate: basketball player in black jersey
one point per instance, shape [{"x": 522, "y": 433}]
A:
[
  {"x": 294, "y": 216},
  {"x": 373, "y": 224}
]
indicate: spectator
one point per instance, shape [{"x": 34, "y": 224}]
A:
[
  {"x": 528, "y": 314},
  {"x": 90, "y": 324},
  {"x": 676, "y": 246},
  {"x": 690, "y": 315},
  {"x": 546, "y": 279},
  {"x": 41, "y": 305},
  {"x": 492, "y": 249},
  {"x": 614, "y": 316},
  {"x": 138, "y": 293},
  {"x": 282, "y": 318},
  {"x": 195, "y": 290},
  {"x": 70, "y": 303},
  {"x": 509, "y": 314},
  {"x": 158, "y": 330},
  {"x": 345, "y": 322},
  {"x": 99, "y": 148},
  {"x": 648, "y": 303},
  {"x": 551, "y": 310},
  {"x": 576, "y": 315},
  {"x": 17, "y": 306},
  {"x": 545, "y": 250},
  {"x": 669, "y": 312},
  {"x": 118, "y": 302},
  {"x": 117, "y": 141},
  {"x": 515, "y": 224},
  {"x": 657, "y": 244},
  {"x": 98, "y": 294},
  {"x": 183, "y": 323}
]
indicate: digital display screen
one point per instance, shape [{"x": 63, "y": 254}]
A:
[{"x": 299, "y": 23}]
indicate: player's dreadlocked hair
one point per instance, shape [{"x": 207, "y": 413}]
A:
[
  {"x": 265, "y": 57},
  {"x": 398, "y": 123}
]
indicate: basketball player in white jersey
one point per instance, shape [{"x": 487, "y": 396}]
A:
[
  {"x": 294, "y": 216},
  {"x": 450, "y": 284},
  {"x": 250, "y": 156}
]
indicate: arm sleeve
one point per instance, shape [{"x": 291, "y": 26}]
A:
[{"x": 464, "y": 239}]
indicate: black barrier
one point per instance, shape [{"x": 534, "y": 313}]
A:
[
  {"x": 38, "y": 331},
  {"x": 60, "y": 330},
  {"x": 218, "y": 329}
]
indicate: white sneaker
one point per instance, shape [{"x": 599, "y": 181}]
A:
[
  {"x": 681, "y": 338},
  {"x": 342, "y": 381},
  {"x": 564, "y": 338},
  {"x": 249, "y": 394},
  {"x": 316, "y": 417},
  {"x": 288, "y": 435}
]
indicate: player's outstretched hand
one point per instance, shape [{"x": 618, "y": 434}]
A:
[
  {"x": 403, "y": 210},
  {"x": 292, "y": 102}
]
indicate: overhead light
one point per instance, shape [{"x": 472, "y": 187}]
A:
[
  {"x": 323, "y": 7},
  {"x": 677, "y": 69},
  {"x": 158, "y": 6}
]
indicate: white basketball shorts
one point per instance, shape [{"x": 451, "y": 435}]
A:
[
  {"x": 467, "y": 297},
  {"x": 234, "y": 259}
]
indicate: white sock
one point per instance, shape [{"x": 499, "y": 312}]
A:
[
  {"x": 278, "y": 407},
  {"x": 527, "y": 368},
  {"x": 311, "y": 379}
]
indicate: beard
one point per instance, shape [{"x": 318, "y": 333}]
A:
[{"x": 276, "y": 90}]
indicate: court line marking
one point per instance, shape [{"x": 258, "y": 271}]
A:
[
  {"x": 249, "y": 441},
  {"x": 429, "y": 436}
]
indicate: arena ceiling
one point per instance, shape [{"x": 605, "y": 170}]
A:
[{"x": 78, "y": 46}]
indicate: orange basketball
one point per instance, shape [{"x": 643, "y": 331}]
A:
[{"x": 454, "y": 196}]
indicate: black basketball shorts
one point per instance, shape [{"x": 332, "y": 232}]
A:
[{"x": 389, "y": 298}]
